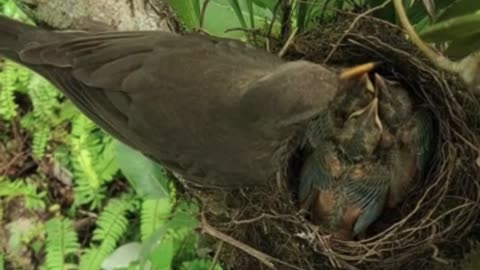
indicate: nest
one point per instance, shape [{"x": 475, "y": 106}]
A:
[{"x": 264, "y": 228}]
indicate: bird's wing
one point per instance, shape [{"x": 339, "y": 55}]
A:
[
  {"x": 369, "y": 194},
  {"x": 314, "y": 176},
  {"x": 216, "y": 111}
]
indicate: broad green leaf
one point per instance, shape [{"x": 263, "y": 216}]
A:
[
  {"x": 238, "y": 11},
  {"x": 430, "y": 6},
  {"x": 162, "y": 257},
  {"x": 459, "y": 48},
  {"x": 251, "y": 13},
  {"x": 302, "y": 12},
  {"x": 456, "y": 28},
  {"x": 162, "y": 242},
  {"x": 154, "y": 215},
  {"x": 268, "y": 4},
  {"x": 222, "y": 11},
  {"x": 122, "y": 257},
  {"x": 147, "y": 177},
  {"x": 459, "y": 8},
  {"x": 188, "y": 11},
  {"x": 418, "y": 13}
]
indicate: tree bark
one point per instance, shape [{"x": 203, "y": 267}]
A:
[{"x": 101, "y": 15}]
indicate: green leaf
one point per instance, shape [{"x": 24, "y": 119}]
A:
[
  {"x": 223, "y": 11},
  {"x": 182, "y": 223},
  {"x": 459, "y": 8},
  {"x": 188, "y": 11},
  {"x": 268, "y": 4},
  {"x": 418, "y": 13},
  {"x": 62, "y": 241},
  {"x": 238, "y": 11},
  {"x": 162, "y": 257},
  {"x": 112, "y": 225},
  {"x": 302, "y": 12},
  {"x": 462, "y": 47},
  {"x": 154, "y": 215},
  {"x": 147, "y": 177},
  {"x": 251, "y": 13},
  {"x": 122, "y": 257},
  {"x": 456, "y": 28}
]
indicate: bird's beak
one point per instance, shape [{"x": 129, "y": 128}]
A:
[
  {"x": 380, "y": 83},
  {"x": 368, "y": 83},
  {"x": 356, "y": 71},
  {"x": 360, "y": 73},
  {"x": 370, "y": 112}
]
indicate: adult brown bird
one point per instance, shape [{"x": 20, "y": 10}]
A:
[{"x": 218, "y": 112}]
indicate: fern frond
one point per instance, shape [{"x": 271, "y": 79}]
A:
[
  {"x": 93, "y": 161},
  {"x": 106, "y": 165},
  {"x": 44, "y": 99},
  {"x": 22, "y": 188},
  {"x": 62, "y": 241},
  {"x": 13, "y": 77},
  {"x": 154, "y": 214},
  {"x": 8, "y": 80},
  {"x": 41, "y": 137},
  {"x": 111, "y": 226}
]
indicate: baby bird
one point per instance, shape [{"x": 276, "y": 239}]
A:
[
  {"x": 355, "y": 91},
  {"x": 410, "y": 155},
  {"x": 395, "y": 103},
  {"x": 319, "y": 171},
  {"x": 349, "y": 205},
  {"x": 361, "y": 133}
]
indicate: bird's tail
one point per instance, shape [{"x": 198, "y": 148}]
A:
[
  {"x": 14, "y": 36},
  {"x": 11, "y": 32}
]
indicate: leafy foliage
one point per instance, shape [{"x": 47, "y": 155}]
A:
[
  {"x": 198, "y": 264},
  {"x": 12, "y": 77},
  {"x": 62, "y": 242},
  {"x": 22, "y": 188},
  {"x": 147, "y": 177},
  {"x": 154, "y": 214},
  {"x": 111, "y": 227},
  {"x": 459, "y": 25},
  {"x": 233, "y": 14},
  {"x": 93, "y": 161}
]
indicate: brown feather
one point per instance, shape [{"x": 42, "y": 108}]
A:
[{"x": 216, "y": 111}]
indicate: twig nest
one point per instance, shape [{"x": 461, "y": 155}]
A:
[{"x": 441, "y": 208}]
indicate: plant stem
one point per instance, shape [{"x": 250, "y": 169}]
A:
[{"x": 436, "y": 58}]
